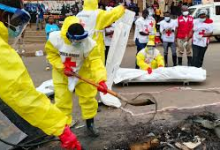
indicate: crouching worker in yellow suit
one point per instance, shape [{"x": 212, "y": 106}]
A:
[
  {"x": 150, "y": 58},
  {"x": 17, "y": 89},
  {"x": 72, "y": 50}
]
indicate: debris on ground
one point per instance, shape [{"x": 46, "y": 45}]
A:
[
  {"x": 194, "y": 132},
  {"x": 199, "y": 132}
]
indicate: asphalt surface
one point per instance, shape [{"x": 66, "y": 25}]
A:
[
  {"x": 36, "y": 67},
  {"x": 110, "y": 118}
]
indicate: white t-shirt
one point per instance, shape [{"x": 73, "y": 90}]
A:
[
  {"x": 169, "y": 28},
  {"x": 144, "y": 25},
  {"x": 201, "y": 28},
  {"x": 108, "y": 39}
]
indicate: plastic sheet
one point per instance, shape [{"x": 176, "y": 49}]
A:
[
  {"x": 170, "y": 74},
  {"x": 46, "y": 88}
]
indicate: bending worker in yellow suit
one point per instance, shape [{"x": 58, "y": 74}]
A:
[
  {"x": 150, "y": 58},
  {"x": 96, "y": 20},
  {"x": 17, "y": 89},
  {"x": 72, "y": 50}
]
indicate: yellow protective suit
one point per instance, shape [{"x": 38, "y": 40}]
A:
[
  {"x": 92, "y": 69},
  {"x": 104, "y": 19},
  {"x": 146, "y": 60},
  {"x": 18, "y": 92}
]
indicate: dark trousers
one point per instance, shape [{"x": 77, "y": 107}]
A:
[
  {"x": 166, "y": 46},
  {"x": 198, "y": 55},
  {"x": 106, "y": 53},
  {"x": 140, "y": 46}
]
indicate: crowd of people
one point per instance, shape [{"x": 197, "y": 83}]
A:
[
  {"x": 79, "y": 47},
  {"x": 184, "y": 34}
]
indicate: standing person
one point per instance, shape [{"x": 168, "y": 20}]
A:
[
  {"x": 173, "y": 10},
  {"x": 169, "y": 4},
  {"x": 151, "y": 11},
  {"x": 145, "y": 26},
  {"x": 179, "y": 8},
  {"x": 40, "y": 18},
  {"x": 157, "y": 14},
  {"x": 167, "y": 30},
  {"x": 71, "y": 50},
  {"x": 161, "y": 7},
  {"x": 203, "y": 29},
  {"x": 17, "y": 89},
  {"x": 50, "y": 27},
  {"x": 183, "y": 35},
  {"x": 132, "y": 6},
  {"x": 96, "y": 20},
  {"x": 149, "y": 58}
]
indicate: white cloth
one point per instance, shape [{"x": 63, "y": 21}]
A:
[
  {"x": 167, "y": 74},
  {"x": 149, "y": 55},
  {"x": 144, "y": 25},
  {"x": 200, "y": 28},
  {"x": 108, "y": 38},
  {"x": 169, "y": 28},
  {"x": 76, "y": 54},
  {"x": 89, "y": 19}
]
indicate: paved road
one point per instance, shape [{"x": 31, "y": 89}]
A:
[
  {"x": 110, "y": 118},
  {"x": 36, "y": 66}
]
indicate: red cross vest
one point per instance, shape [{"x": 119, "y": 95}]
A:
[{"x": 184, "y": 27}]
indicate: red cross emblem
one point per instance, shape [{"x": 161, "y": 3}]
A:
[
  {"x": 168, "y": 32},
  {"x": 146, "y": 30},
  {"x": 68, "y": 63},
  {"x": 202, "y": 33},
  {"x": 151, "y": 24}
]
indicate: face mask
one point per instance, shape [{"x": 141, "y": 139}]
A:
[
  {"x": 167, "y": 19},
  {"x": 185, "y": 13},
  {"x": 151, "y": 50},
  {"x": 76, "y": 43},
  {"x": 202, "y": 19}
]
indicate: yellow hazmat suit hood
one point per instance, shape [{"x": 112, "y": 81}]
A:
[
  {"x": 67, "y": 23},
  {"x": 90, "y": 5}
]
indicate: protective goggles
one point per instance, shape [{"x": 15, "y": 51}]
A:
[
  {"x": 18, "y": 20},
  {"x": 77, "y": 37}
]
